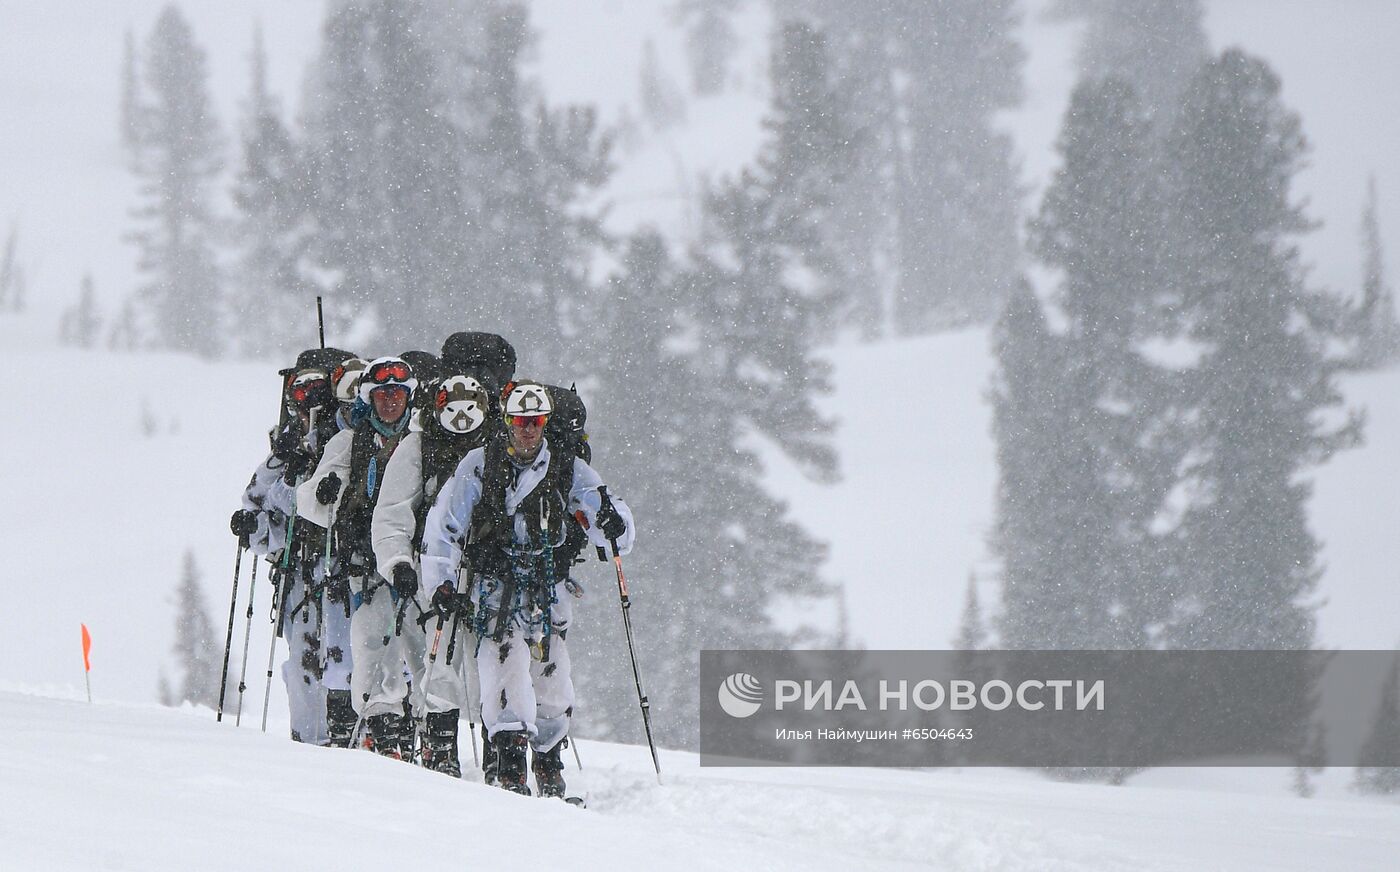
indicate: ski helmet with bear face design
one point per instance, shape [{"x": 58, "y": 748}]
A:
[{"x": 460, "y": 404}]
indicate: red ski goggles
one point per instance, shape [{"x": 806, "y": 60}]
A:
[
  {"x": 524, "y": 421},
  {"x": 391, "y": 371},
  {"x": 309, "y": 389}
]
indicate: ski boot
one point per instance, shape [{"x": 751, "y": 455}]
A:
[
  {"x": 383, "y": 735},
  {"x": 549, "y": 770},
  {"x": 439, "y": 744},
  {"x": 340, "y": 718},
  {"x": 490, "y": 766},
  {"x": 511, "y": 773}
]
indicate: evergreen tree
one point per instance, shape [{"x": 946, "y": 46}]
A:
[
  {"x": 80, "y": 324},
  {"x": 720, "y": 551},
  {"x": 1383, "y": 744},
  {"x": 710, "y": 41},
  {"x": 1037, "y": 483},
  {"x": 177, "y": 160},
  {"x": 1264, "y": 378},
  {"x": 130, "y": 111},
  {"x": 197, "y": 646},
  {"x": 1155, "y": 46},
  {"x": 1378, "y": 330},
  {"x": 932, "y": 204},
  {"x": 972, "y": 630},
  {"x": 663, "y": 103},
  {"x": 12, "y": 278},
  {"x": 271, "y": 304},
  {"x": 389, "y": 208},
  {"x": 443, "y": 184},
  {"x": 125, "y": 332},
  {"x": 1096, "y": 227},
  {"x": 762, "y": 286},
  {"x": 958, "y": 196}
]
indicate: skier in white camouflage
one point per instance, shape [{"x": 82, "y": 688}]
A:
[
  {"x": 454, "y": 423},
  {"x": 268, "y": 502},
  {"x": 509, "y": 504},
  {"x": 341, "y": 495}
]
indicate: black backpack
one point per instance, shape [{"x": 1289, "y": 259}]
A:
[
  {"x": 565, "y": 429},
  {"x": 486, "y": 357}
]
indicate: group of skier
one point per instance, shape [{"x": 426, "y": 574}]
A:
[{"x": 422, "y": 514}]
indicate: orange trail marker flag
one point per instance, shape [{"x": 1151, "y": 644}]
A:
[{"x": 87, "y": 661}]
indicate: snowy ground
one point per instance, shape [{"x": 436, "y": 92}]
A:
[{"x": 123, "y": 786}]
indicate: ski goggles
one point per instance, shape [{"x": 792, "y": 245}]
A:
[
  {"x": 527, "y": 420},
  {"x": 308, "y": 389},
  {"x": 392, "y": 371}
]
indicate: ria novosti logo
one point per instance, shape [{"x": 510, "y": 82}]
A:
[{"x": 740, "y": 695}]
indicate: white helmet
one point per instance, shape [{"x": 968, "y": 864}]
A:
[
  {"x": 460, "y": 404},
  {"x": 346, "y": 378},
  {"x": 385, "y": 372},
  {"x": 528, "y": 399}
]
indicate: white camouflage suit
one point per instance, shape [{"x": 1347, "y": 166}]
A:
[
  {"x": 452, "y": 685},
  {"x": 271, "y": 499},
  {"x": 377, "y": 682},
  {"x": 517, "y": 692}
]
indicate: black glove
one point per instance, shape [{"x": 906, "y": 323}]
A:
[
  {"x": 295, "y": 465},
  {"x": 328, "y": 488},
  {"x": 285, "y": 443},
  {"x": 405, "y": 580},
  {"x": 610, "y": 522},
  {"x": 243, "y": 523},
  {"x": 445, "y": 598},
  {"x": 309, "y": 539},
  {"x": 338, "y": 588}
]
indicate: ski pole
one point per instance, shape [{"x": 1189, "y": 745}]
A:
[
  {"x": 283, "y": 592},
  {"x": 631, "y": 646},
  {"x": 228, "y": 637},
  {"x": 573, "y": 743},
  {"x": 432, "y": 655},
  {"x": 247, "y": 637}
]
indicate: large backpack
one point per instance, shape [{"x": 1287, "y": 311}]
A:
[
  {"x": 565, "y": 429},
  {"x": 486, "y": 357}
]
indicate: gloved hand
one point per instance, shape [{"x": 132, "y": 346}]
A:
[
  {"x": 309, "y": 538},
  {"x": 328, "y": 488},
  {"x": 338, "y": 588},
  {"x": 284, "y": 443},
  {"x": 610, "y": 522},
  {"x": 405, "y": 580},
  {"x": 294, "y": 465},
  {"x": 445, "y": 598},
  {"x": 243, "y": 523}
]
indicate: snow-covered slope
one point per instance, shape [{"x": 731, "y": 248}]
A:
[
  {"x": 115, "y": 786},
  {"x": 126, "y": 461}
]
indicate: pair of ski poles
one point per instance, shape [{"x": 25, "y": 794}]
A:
[{"x": 247, "y": 636}]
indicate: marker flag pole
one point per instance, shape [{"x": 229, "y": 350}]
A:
[{"x": 87, "y": 661}]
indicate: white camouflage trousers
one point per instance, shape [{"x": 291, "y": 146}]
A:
[
  {"x": 306, "y": 695},
  {"x": 377, "y": 683},
  {"x": 517, "y": 691}
]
